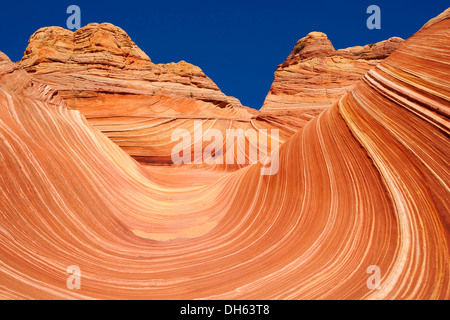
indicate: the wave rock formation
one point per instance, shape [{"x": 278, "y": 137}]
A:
[{"x": 364, "y": 183}]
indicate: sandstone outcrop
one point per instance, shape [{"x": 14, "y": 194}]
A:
[
  {"x": 366, "y": 183},
  {"x": 315, "y": 75},
  {"x": 102, "y": 57},
  {"x": 13, "y": 78},
  {"x": 100, "y": 71}
]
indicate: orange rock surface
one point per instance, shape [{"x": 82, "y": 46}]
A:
[
  {"x": 103, "y": 58},
  {"x": 315, "y": 75},
  {"x": 364, "y": 183},
  {"x": 100, "y": 71}
]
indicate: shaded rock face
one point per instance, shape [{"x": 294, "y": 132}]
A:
[{"x": 315, "y": 75}]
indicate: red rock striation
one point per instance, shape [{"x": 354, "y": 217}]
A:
[
  {"x": 364, "y": 183},
  {"x": 103, "y": 58},
  {"x": 13, "y": 78},
  {"x": 315, "y": 75},
  {"x": 100, "y": 71}
]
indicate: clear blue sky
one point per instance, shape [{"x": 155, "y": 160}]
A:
[{"x": 238, "y": 44}]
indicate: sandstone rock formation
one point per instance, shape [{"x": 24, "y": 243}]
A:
[
  {"x": 103, "y": 58},
  {"x": 315, "y": 75},
  {"x": 100, "y": 71},
  {"x": 13, "y": 78},
  {"x": 364, "y": 183}
]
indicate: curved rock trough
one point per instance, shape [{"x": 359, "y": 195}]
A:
[{"x": 365, "y": 182}]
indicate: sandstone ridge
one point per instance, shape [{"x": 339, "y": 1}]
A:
[{"x": 315, "y": 75}]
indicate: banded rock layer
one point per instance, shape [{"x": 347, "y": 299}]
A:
[
  {"x": 364, "y": 183},
  {"x": 103, "y": 58},
  {"x": 315, "y": 75},
  {"x": 100, "y": 71}
]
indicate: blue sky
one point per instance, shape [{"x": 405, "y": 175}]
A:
[{"x": 238, "y": 44}]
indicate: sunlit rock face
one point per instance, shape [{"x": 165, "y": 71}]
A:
[
  {"x": 366, "y": 183},
  {"x": 315, "y": 75},
  {"x": 103, "y": 58},
  {"x": 13, "y": 78},
  {"x": 101, "y": 72}
]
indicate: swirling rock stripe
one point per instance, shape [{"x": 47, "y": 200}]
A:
[{"x": 364, "y": 183}]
